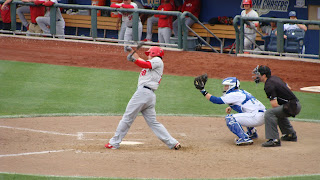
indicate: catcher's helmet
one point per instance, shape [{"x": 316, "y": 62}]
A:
[
  {"x": 292, "y": 13},
  {"x": 155, "y": 51},
  {"x": 247, "y": 2},
  {"x": 232, "y": 82}
]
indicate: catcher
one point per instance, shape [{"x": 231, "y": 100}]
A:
[{"x": 250, "y": 110}]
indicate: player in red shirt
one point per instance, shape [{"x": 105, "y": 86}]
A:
[
  {"x": 153, "y": 20},
  {"x": 165, "y": 22},
  {"x": 35, "y": 11},
  {"x": 5, "y": 14}
]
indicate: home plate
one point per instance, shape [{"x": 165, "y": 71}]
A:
[
  {"x": 131, "y": 142},
  {"x": 311, "y": 89}
]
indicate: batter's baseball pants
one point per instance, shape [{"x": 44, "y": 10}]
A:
[
  {"x": 274, "y": 117},
  {"x": 143, "y": 100}
]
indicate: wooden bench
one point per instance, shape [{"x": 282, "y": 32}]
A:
[{"x": 220, "y": 30}]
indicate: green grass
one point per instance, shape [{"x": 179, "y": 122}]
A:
[
  {"x": 36, "y": 89},
  {"x": 41, "y": 89}
]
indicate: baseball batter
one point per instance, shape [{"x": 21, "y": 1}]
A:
[
  {"x": 250, "y": 110},
  {"x": 127, "y": 18},
  {"x": 144, "y": 99},
  {"x": 249, "y": 30}
]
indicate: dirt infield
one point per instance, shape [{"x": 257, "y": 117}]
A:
[
  {"x": 208, "y": 149},
  {"x": 74, "y": 146}
]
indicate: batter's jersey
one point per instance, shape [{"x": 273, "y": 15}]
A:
[
  {"x": 242, "y": 101},
  {"x": 127, "y": 17},
  {"x": 152, "y": 77},
  {"x": 252, "y": 13}
]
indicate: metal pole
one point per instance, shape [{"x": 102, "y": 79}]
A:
[
  {"x": 241, "y": 36},
  {"x": 280, "y": 40},
  {"x": 135, "y": 26},
  {"x": 94, "y": 23},
  {"x": 179, "y": 32},
  {"x": 53, "y": 11},
  {"x": 13, "y": 7}
]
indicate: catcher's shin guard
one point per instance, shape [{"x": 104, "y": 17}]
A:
[{"x": 235, "y": 127}]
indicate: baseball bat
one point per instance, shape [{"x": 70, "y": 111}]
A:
[{"x": 137, "y": 48}]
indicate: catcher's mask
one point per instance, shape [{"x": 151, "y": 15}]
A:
[
  {"x": 155, "y": 51},
  {"x": 232, "y": 82},
  {"x": 260, "y": 71},
  {"x": 247, "y": 2}
]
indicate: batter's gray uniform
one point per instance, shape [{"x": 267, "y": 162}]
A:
[
  {"x": 150, "y": 22},
  {"x": 44, "y": 22},
  {"x": 249, "y": 32},
  {"x": 144, "y": 100}
]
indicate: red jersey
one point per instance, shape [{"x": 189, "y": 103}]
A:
[
  {"x": 164, "y": 20},
  {"x": 193, "y": 6},
  {"x": 5, "y": 14},
  {"x": 36, "y": 11}
]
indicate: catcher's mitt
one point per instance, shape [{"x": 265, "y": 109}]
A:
[{"x": 200, "y": 81}]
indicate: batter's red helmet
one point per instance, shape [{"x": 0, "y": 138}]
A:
[
  {"x": 247, "y": 2},
  {"x": 155, "y": 51}
]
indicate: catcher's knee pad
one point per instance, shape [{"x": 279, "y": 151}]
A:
[{"x": 235, "y": 127}]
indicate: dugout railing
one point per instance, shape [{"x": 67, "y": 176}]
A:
[
  {"x": 280, "y": 38},
  {"x": 93, "y": 11},
  {"x": 182, "y": 41}
]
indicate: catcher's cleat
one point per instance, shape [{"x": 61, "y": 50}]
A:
[
  {"x": 272, "y": 143},
  {"x": 242, "y": 142},
  {"x": 290, "y": 137},
  {"x": 177, "y": 146},
  {"x": 109, "y": 146},
  {"x": 252, "y": 133}
]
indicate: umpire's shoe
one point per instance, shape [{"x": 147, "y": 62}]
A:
[
  {"x": 290, "y": 137},
  {"x": 272, "y": 143}
]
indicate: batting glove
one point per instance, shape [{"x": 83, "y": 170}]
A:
[
  {"x": 131, "y": 58},
  {"x": 127, "y": 49}
]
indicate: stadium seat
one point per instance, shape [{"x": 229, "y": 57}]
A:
[
  {"x": 295, "y": 41},
  {"x": 270, "y": 43}
]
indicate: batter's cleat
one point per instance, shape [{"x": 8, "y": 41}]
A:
[
  {"x": 242, "y": 142},
  {"x": 177, "y": 146},
  {"x": 109, "y": 146},
  {"x": 290, "y": 137},
  {"x": 272, "y": 143}
]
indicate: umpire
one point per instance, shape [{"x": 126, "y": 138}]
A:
[{"x": 284, "y": 104}]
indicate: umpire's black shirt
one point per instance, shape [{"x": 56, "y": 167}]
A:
[{"x": 275, "y": 88}]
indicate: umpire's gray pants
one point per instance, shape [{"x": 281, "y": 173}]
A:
[
  {"x": 274, "y": 117},
  {"x": 143, "y": 100}
]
